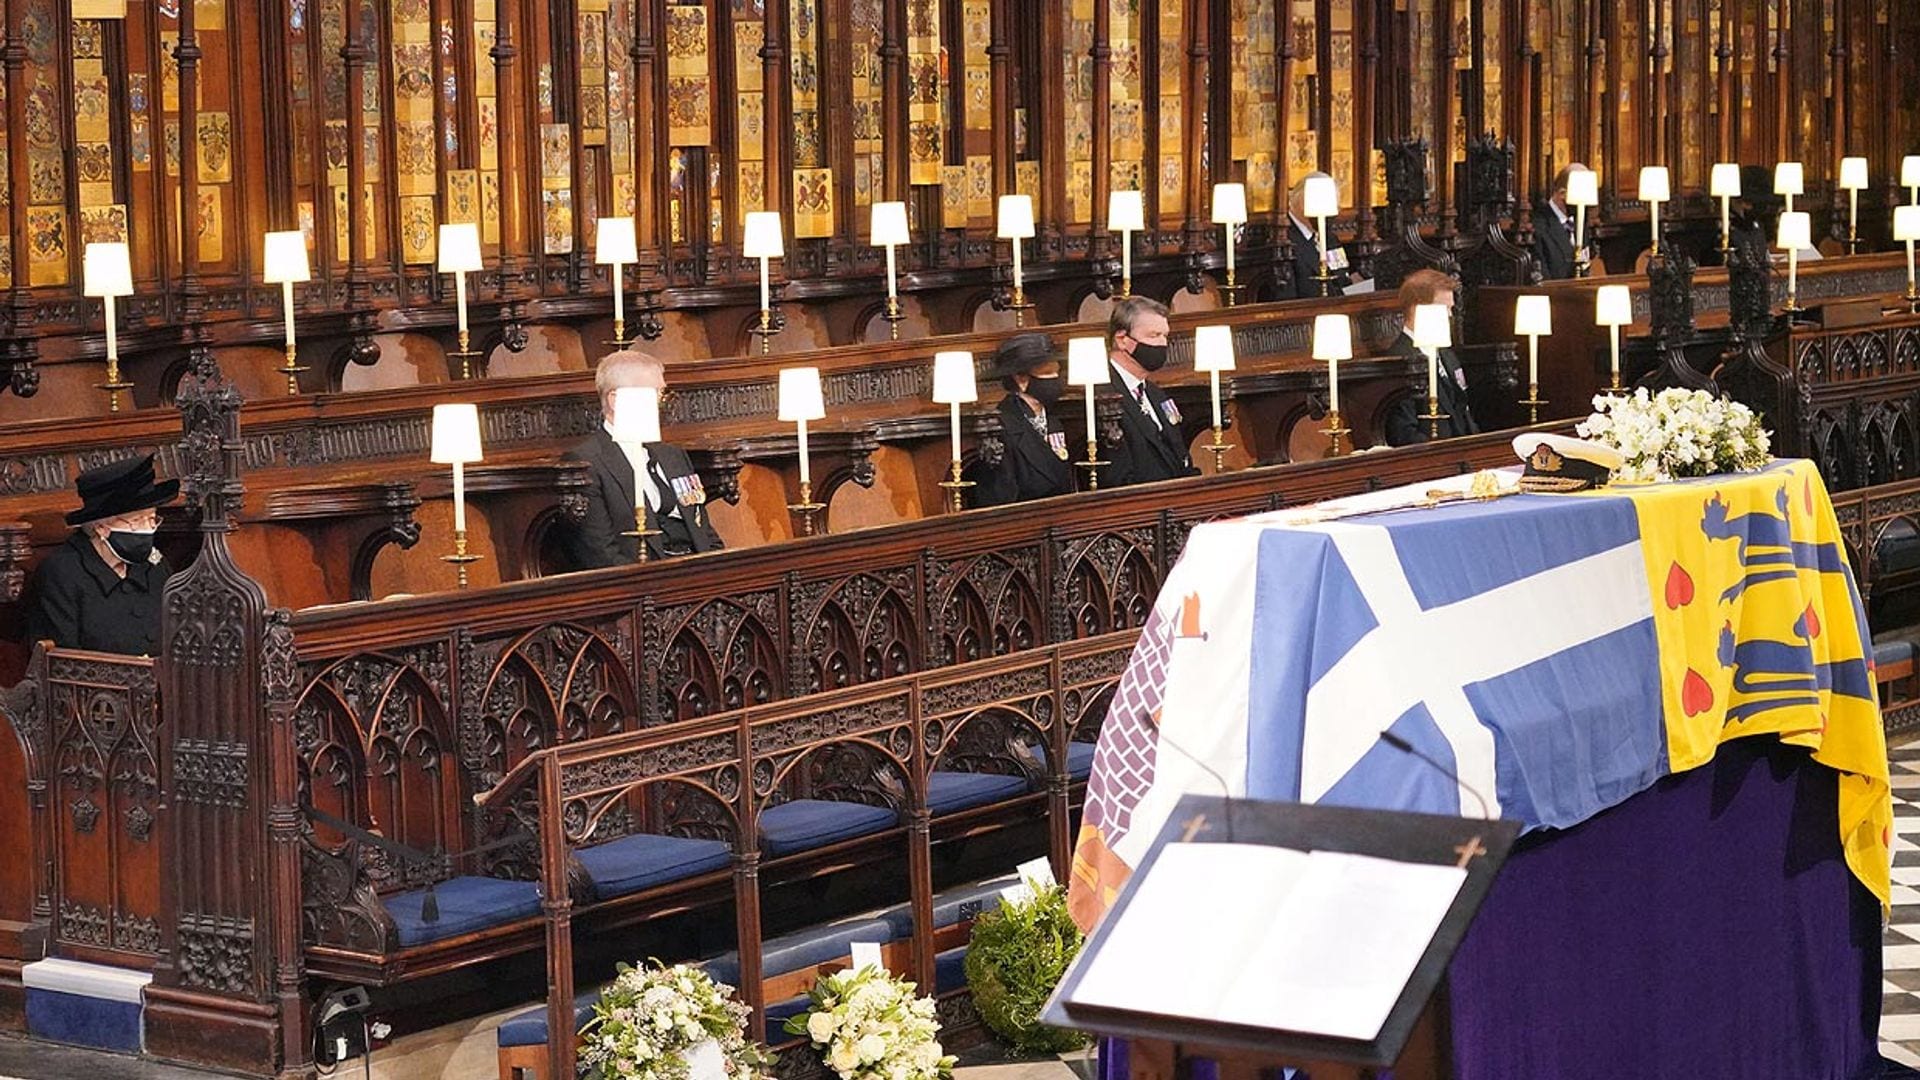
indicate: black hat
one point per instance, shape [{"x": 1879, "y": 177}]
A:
[
  {"x": 108, "y": 491},
  {"x": 1559, "y": 463},
  {"x": 1021, "y": 353}
]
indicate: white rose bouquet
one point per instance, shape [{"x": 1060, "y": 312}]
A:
[
  {"x": 1677, "y": 433},
  {"x": 869, "y": 1025},
  {"x": 653, "y": 1020}
]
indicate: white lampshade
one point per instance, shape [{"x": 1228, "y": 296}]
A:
[
  {"x": 1910, "y": 171},
  {"x": 1789, "y": 179},
  {"x": 1725, "y": 181},
  {"x": 460, "y": 248},
  {"x": 456, "y": 434},
  {"x": 285, "y": 258},
  {"x": 1583, "y": 188},
  {"x": 1229, "y": 204},
  {"x": 1656, "y": 184},
  {"x": 1796, "y": 231},
  {"x": 800, "y": 395},
  {"x": 1613, "y": 306},
  {"x": 763, "y": 239},
  {"x": 1016, "y": 217},
  {"x": 889, "y": 223},
  {"x": 1532, "y": 316},
  {"x": 1126, "y": 211},
  {"x": 1320, "y": 197},
  {"x": 1087, "y": 362},
  {"x": 1906, "y": 223},
  {"x": 107, "y": 270},
  {"x": 1432, "y": 327},
  {"x": 1853, "y": 173},
  {"x": 613, "y": 242},
  {"x": 1213, "y": 348},
  {"x": 1333, "y": 337},
  {"x": 636, "y": 414},
  {"x": 953, "y": 378}
]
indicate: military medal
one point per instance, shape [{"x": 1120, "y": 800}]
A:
[
  {"x": 1058, "y": 440},
  {"x": 1171, "y": 411}
]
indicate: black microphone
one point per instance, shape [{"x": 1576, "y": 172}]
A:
[
  {"x": 1226, "y": 793},
  {"x": 1406, "y": 747}
]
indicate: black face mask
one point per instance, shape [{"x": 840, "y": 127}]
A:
[
  {"x": 134, "y": 547},
  {"x": 1149, "y": 357},
  {"x": 1046, "y": 389}
]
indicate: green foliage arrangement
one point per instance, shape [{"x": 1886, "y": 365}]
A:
[{"x": 1016, "y": 958}]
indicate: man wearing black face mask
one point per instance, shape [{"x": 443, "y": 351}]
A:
[
  {"x": 101, "y": 589},
  {"x": 1152, "y": 445},
  {"x": 1034, "y": 464}
]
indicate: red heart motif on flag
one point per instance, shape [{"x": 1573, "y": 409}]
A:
[
  {"x": 1679, "y": 587},
  {"x": 1695, "y": 695},
  {"x": 1813, "y": 623},
  {"x": 1806, "y": 495}
]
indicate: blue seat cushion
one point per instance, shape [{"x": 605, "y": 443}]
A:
[
  {"x": 803, "y": 949},
  {"x": 1898, "y": 548},
  {"x": 1079, "y": 760},
  {"x": 530, "y": 1028},
  {"x": 950, "y": 970},
  {"x": 804, "y": 824},
  {"x": 1891, "y": 651},
  {"x": 951, "y": 792},
  {"x": 466, "y": 904},
  {"x": 643, "y": 860},
  {"x": 951, "y": 907}
]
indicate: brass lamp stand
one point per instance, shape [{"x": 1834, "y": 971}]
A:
[
  {"x": 894, "y": 317},
  {"x": 806, "y": 510},
  {"x": 1336, "y": 432},
  {"x": 1092, "y": 465},
  {"x": 460, "y": 557},
  {"x": 1433, "y": 416},
  {"x": 466, "y": 355},
  {"x": 292, "y": 369},
  {"x": 955, "y": 487},
  {"x": 1218, "y": 448},
  {"x": 1533, "y": 401},
  {"x": 640, "y": 532}
]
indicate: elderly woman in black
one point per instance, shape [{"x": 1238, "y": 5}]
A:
[
  {"x": 1034, "y": 465},
  {"x": 101, "y": 589}
]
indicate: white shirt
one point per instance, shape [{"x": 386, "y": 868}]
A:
[
  {"x": 638, "y": 457},
  {"x": 1132, "y": 385}
]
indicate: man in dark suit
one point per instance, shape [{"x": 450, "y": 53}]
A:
[
  {"x": 1151, "y": 445},
  {"x": 1404, "y": 425},
  {"x": 1305, "y": 237},
  {"x": 101, "y": 589},
  {"x": 1553, "y": 230},
  {"x": 676, "y": 500},
  {"x": 1034, "y": 463}
]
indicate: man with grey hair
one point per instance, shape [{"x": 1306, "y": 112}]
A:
[
  {"x": 675, "y": 498},
  {"x": 1152, "y": 445},
  {"x": 1306, "y": 247}
]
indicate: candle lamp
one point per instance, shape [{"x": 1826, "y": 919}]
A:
[
  {"x": 1533, "y": 320},
  {"x": 1230, "y": 211},
  {"x": 764, "y": 241},
  {"x": 954, "y": 385},
  {"x": 456, "y": 442},
  {"x": 1583, "y": 191},
  {"x": 1789, "y": 180},
  {"x": 1853, "y": 177},
  {"x": 1213, "y": 354},
  {"x": 1320, "y": 198},
  {"x": 1127, "y": 213},
  {"x": 1333, "y": 342},
  {"x": 1656, "y": 187},
  {"x": 888, "y": 227},
  {"x": 1724, "y": 184},
  {"x": 801, "y": 401},
  {"x": 106, "y": 275},
  {"x": 1910, "y": 177},
  {"x": 614, "y": 247},
  {"x": 1796, "y": 232},
  {"x": 1016, "y": 224},
  {"x": 1613, "y": 309},
  {"x": 1906, "y": 229},
  {"x": 1432, "y": 331},
  {"x": 284, "y": 263},
  {"x": 636, "y": 422},
  {"x": 460, "y": 256},
  {"x": 1087, "y": 367}
]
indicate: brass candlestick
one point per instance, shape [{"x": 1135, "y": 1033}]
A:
[
  {"x": 114, "y": 384},
  {"x": 460, "y": 557},
  {"x": 1218, "y": 448},
  {"x": 806, "y": 509},
  {"x": 1913, "y": 300},
  {"x": 620, "y": 338},
  {"x": 1230, "y": 292},
  {"x": 292, "y": 370},
  {"x": 640, "y": 532},
  {"x": 1336, "y": 432},
  {"x": 1019, "y": 306},
  {"x": 894, "y": 318},
  {"x": 1092, "y": 465},
  {"x": 1533, "y": 401},
  {"x": 1433, "y": 416},
  {"x": 955, "y": 486},
  {"x": 765, "y": 331},
  {"x": 466, "y": 355},
  {"x": 1324, "y": 277}
]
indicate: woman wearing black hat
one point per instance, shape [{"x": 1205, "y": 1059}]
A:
[
  {"x": 101, "y": 589},
  {"x": 1034, "y": 465}
]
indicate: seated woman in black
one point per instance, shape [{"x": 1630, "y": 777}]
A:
[
  {"x": 101, "y": 589},
  {"x": 1034, "y": 464}
]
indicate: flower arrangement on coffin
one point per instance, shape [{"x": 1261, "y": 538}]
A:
[
  {"x": 665, "y": 1023},
  {"x": 869, "y": 1025},
  {"x": 1677, "y": 433},
  {"x": 1015, "y": 958}
]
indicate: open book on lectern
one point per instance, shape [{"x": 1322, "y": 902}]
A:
[{"x": 1320, "y": 925}]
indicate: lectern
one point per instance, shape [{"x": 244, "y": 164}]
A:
[{"x": 1157, "y": 1013}]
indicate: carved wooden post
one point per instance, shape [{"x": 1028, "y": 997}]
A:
[
  {"x": 515, "y": 174},
  {"x": 280, "y": 689},
  {"x": 746, "y": 876},
  {"x": 1447, "y": 87},
  {"x": 1656, "y": 74},
  {"x": 1837, "y": 148},
  {"x": 1594, "y": 99},
  {"x": 1521, "y": 129},
  {"x": 893, "y": 98},
  {"x": 1367, "y": 32},
  {"x": 1782, "y": 87},
  {"x": 778, "y": 94},
  {"x": 1059, "y": 835},
  {"x": 556, "y": 899},
  {"x": 649, "y": 180},
  {"x": 1201, "y": 97},
  {"x": 23, "y": 338},
  {"x": 920, "y": 846},
  {"x": 1102, "y": 53},
  {"x": 1725, "y": 91},
  {"x": 1000, "y": 89},
  {"x": 355, "y": 55}
]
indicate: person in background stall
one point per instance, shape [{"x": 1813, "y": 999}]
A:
[
  {"x": 1553, "y": 230},
  {"x": 1152, "y": 445},
  {"x": 1306, "y": 247},
  {"x": 101, "y": 589},
  {"x": 1033, "y": 464},
  {"x": 1404, "y": 425}
]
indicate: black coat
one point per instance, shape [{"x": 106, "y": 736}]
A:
[
  {"x": 1145, "y": 452},
  {"x": 1306, "y": 265},
  {"x": 1404, "y": 425},
  {"x": 78, "y": 602},
  {"x": 1552, "y": 244},
  {"x": 1030, "y": 469},
  {"x": 597, "y": 542}
]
